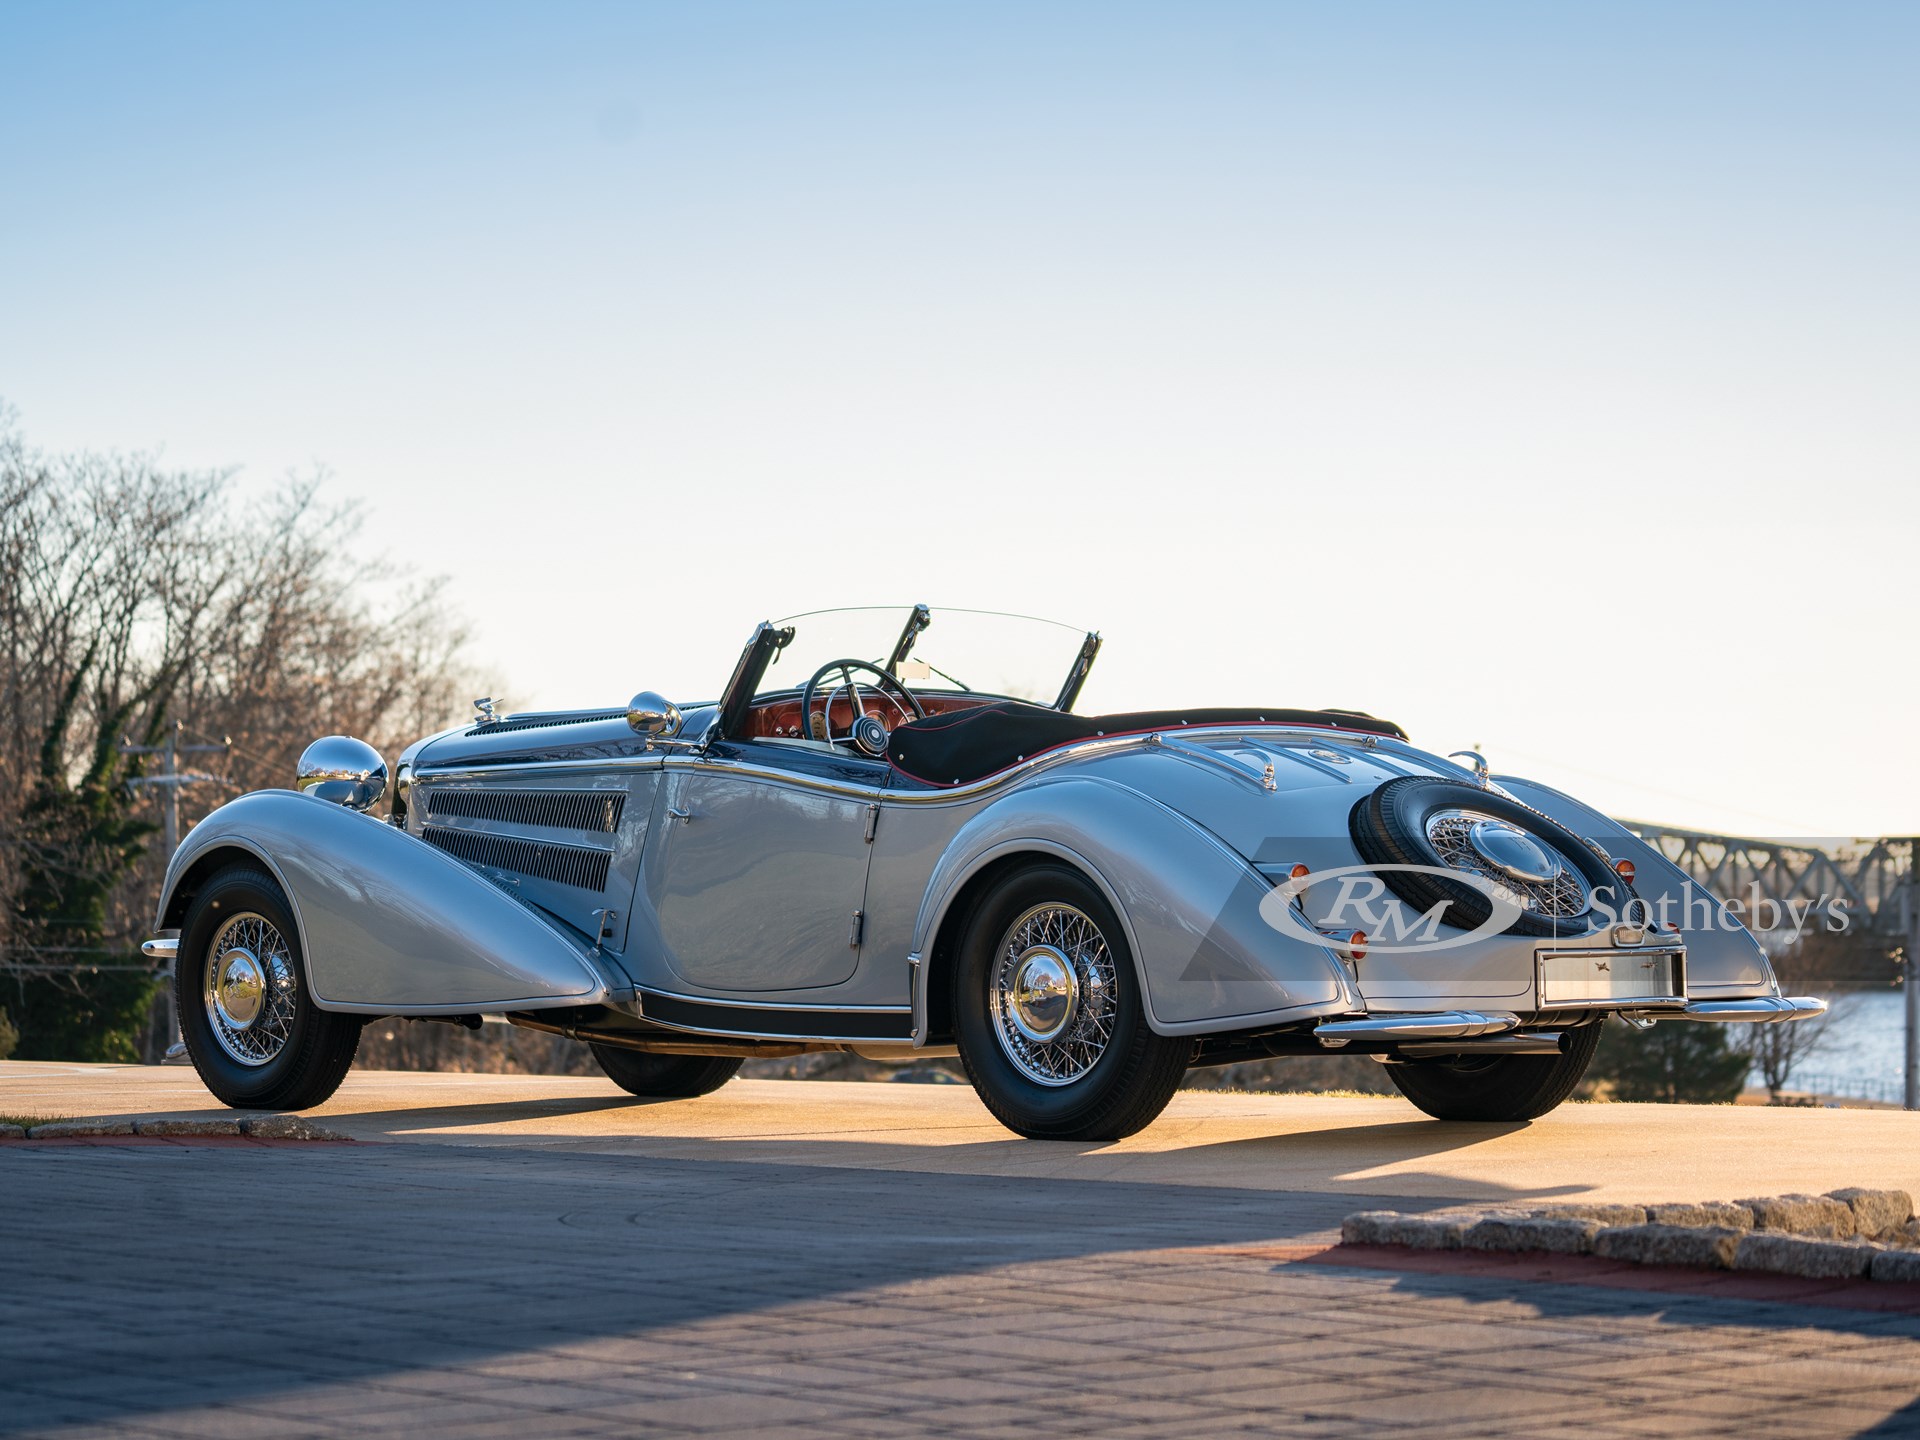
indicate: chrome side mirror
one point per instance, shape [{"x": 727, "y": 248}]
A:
[
  {"x": 344, "y": 770},
  {"x": 653, "y": 716}
]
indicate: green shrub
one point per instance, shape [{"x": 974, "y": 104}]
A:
[{"x": 1674, "y": 1063}]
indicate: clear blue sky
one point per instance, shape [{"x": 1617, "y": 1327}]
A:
[{"x": 1541, "y": 375}]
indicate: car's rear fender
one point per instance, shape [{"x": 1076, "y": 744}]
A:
[{"x": 1190, "y": 907}]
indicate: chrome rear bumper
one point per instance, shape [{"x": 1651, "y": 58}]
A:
[
  {"x": 1764, "y": 1010},
  {"x": 1440, "y": 1025},
  {"x": 1445, "y": 1025}
]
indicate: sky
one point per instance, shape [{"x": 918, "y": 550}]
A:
[{"x": 1543, "y": 377}]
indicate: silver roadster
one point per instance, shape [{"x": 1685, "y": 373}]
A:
[{"x": 892, "y": 834}]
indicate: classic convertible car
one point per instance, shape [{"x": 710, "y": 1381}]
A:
[{"x": 892, "y": 834}]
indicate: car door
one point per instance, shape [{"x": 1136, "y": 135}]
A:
[{"x": 756, "y": 879}]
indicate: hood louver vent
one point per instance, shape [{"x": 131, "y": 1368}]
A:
[
  {"x": 562, "y": 864},
  {"x": 597, "y": 810},
  {"x": 542, "y": 722}
]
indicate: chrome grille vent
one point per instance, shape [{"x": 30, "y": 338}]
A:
[
  {"x": 556, "y": 809},
  {"x": 542, "y": 722},
  {"x": 562, "y": 864}
]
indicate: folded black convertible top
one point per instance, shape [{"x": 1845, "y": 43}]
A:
[{"x": 966, "y": 745}]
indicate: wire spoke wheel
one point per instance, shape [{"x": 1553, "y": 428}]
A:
[
  {"x": 256, "y": 1035},
  {"x": 248, "y": 989},
  {"x": 1052, "y": 994},
  {"x": 1049, "y": 1015}
]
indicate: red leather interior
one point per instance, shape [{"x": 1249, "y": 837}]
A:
[{"x": 782, "y": 717}]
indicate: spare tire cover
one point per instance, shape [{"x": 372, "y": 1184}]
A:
[{"x": 1550, "y": 873}]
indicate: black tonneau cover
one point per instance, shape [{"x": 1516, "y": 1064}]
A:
[{"x": 967, "y": 745}]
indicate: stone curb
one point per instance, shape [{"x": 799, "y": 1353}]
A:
[
  {"x": 1819, "y": 1215},
  {"x": 186, "y": 1127},
  {"x": 1556, "y": 1235},
  {"x": 1797, "y": 1255},
  {"x": 1720, "y": 1213},
  {"x": 258, "y": 1127},
  {"x": 1902, "y": 1267},
  {"x": 1709, "y": 1246},
  {"x": 287, "y": 1127},
  {"x": 1816, "y": 1237},
  {"x": 79, "y": 1129}
]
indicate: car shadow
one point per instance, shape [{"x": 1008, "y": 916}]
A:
[{"x": 1333, "y": 1157}]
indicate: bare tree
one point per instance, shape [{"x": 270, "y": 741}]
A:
[
  {"x": 1819, "y": 961},
  {"x": 134, "y": 597}
]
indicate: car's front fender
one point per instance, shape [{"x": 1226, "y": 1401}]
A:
[
  {"x": 388, "y": 924},
  {"x": 1190, "y": 907}
]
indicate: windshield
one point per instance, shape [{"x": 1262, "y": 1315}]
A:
[{"x": 959, "y": 651}]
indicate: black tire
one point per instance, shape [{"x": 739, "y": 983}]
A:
[
  {"x": 1136, "y": 1071},
  {"x": 665, "y": 1077},
  {"x": 304, "y": 1051},
  {"x": 1505, "y": 1087},
  {"x": 1389, "y": 827}
]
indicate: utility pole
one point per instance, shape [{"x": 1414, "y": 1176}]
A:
[
  {"x": 1910, "y": 977},
  {"x": 170, "y": 779}
]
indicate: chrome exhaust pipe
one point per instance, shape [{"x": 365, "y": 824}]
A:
[{"x": 1545, "y": 1043}]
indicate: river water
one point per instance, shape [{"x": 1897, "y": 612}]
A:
[{"x": 1863, "y": 1049}]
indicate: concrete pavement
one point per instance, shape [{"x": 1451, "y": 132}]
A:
[
  {"x": 549, "y": 1257},
  {"x": 1358, "y": 1145}
]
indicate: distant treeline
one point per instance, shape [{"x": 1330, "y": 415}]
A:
[{"x": 138, "y": 600}]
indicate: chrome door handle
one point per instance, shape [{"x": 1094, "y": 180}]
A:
[{"x": 679, "y": 814}]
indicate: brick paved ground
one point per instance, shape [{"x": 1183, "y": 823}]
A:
[{"x": 438, "y": 1290}]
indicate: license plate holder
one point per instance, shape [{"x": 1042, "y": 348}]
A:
[{"x": 1610, "y": 979}]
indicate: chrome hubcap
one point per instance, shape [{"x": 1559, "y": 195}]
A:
[
  {"x": 240, "y": 989},
  {"x": 1053, "y": 995},
  {"x": 248, "y": 989},
  {"x": 1044, "y": 993},
  {"x": 1524, "y": 868},
  {"x": 1512, "y": 850}
]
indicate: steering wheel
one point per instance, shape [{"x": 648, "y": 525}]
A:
[{"x": 868, "y": 732}]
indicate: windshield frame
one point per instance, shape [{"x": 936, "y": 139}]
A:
[{"x": 771, "y": 637}]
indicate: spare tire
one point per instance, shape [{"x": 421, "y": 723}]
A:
[{"x": 1549, "y": 873}]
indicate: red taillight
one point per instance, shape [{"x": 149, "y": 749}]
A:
[
  {"x": 1299, "y": 872},
  {"x": 1357, "y": 945},
  {"x": 1624, "y": 869}
]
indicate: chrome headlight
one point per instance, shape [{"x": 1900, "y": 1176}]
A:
[{"x": 344, "y": 770}]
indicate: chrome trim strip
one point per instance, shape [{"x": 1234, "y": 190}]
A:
[
  {"x": 600, "y": 842},
  {"x": 915, "y": 962},
  {"x": 161, "y": 947},
  {"x": 773, "y": 1004},
  {"x": 1074, "y": 750},
  {"x": 773, "y": 1035}
]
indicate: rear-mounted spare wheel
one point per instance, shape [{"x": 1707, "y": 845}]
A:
[{"x": 1546, "y": 871}]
